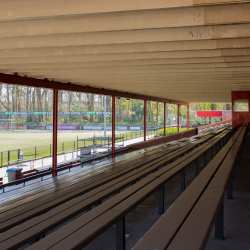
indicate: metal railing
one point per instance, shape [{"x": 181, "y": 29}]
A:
[{"x": 60, "y": 168}]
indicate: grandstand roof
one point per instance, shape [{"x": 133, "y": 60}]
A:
[{"x": 184, "y": 50}]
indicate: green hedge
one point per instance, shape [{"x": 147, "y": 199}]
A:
[{"x": 170, "y": 131}]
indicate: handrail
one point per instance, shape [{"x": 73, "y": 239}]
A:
[
  {"x": 214, "y": 124},
  {"x": 23, "y": 180}
]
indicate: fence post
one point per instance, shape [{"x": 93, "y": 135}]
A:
[
  {"x": 1, "y": 159},
  {"x": 74, "y": 145},
  {"x": 63, "y": 146},
  {"x": 35, "y": 152},
  {"x": 50, "y": 149},
  {"x": 8, "y": 157},
  {"x": 18, "y": 155}
]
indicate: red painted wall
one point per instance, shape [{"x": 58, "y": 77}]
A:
[
  {"x": 209, "y": 113},
  {"x": 225, "y": 114},
  {"x": 240, "y": 117}
]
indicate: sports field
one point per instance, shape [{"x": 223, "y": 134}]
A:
[
  {"x": 16, "y": 139},
  {"x": 38, "y": 143}
]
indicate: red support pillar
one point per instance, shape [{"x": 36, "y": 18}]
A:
[
  {"x": 178, "y": 118},
  {"x": 188, "y": 117},
  {"x": 55, "y": 106},
  {"x": 113, "y": 126},
  {"x": 164, "y": 119},
  {"x": 145, "y": 120}
]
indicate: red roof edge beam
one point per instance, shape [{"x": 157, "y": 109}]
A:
[{"x": 42, "y": 83}]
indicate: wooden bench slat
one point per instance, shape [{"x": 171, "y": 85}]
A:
[
  {"x": 194, "y": 235},
  {"x": 70, "y": 183},
  {"x": 80, "y": 206},
  {"x": 74, "y": 178},
  {"x": 55, "y": 181},
  {"x": 98, "y": 219},
  {"x": 13, "y": 218},
  {"x": 163, "y": 231}
]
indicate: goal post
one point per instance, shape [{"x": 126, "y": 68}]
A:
[{"x": 7, "y": 124}]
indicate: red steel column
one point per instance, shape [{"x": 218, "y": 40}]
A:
[
  {"x": 188, "y": 117},
  {"x": 113, "y": 126},
  {"x": 145, "y": 120},
  {"x": 164, "y": 119},
  {"x": 178, "y": 118},
  {"x": 55, "y": 105}
]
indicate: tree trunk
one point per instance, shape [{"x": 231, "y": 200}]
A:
[
  {"x": 70, "y": 98},
  {"x": 60, "y": 101},
  {"x": 157, "y": 111},
  {"x": 39, "y": 104}
]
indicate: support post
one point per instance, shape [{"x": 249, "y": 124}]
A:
[
  {"x": 188, "y": 117},
  {"x": 211, "y": 153},
  {"x": 161, "y": 200},
  {"x": 145, "y": 120},
  {"x": 183, "y": 186},
  {"x": 178, "y": 118},
  {"x": 234, "y": 172},
  {"x": 113, "y": 126},
  {"x": 196, "y": 171},
  {"x": 120, "y": 234},
  {"x": 164, "y": 119},
  {"x": 205, "y": 159},
  {"x": 230, "y": 187},
  {"x": 104, "y": 125},
  {"x": 219, "y": 223},
  {"x": 55, "y": 106}
]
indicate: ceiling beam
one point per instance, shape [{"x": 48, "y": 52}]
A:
[{"x": 16, "y": 9}]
